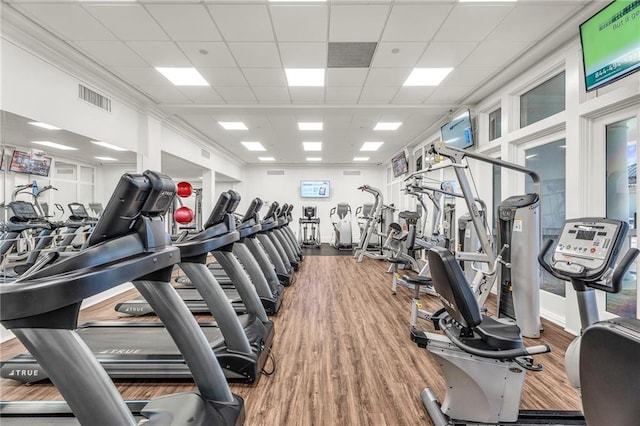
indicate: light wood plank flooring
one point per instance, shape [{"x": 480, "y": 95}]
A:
[{"x": 343, "y": 356}]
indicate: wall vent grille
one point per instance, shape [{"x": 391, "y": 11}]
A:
[
  {"x": 94, "y": 98},
  {"x": 351, "y": 172},
  {"x": 275, "y": 172}
]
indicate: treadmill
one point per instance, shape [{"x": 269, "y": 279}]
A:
[
  {"x": 146, "y": 350},
  {"x": 129, "y": 244}
]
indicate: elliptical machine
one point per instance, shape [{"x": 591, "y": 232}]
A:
[
  {"x": 309, "y": 237},
  {"x": 483, "y": 360},
  {"x": 342, "y": 239}
]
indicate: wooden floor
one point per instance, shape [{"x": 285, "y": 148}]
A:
[{"x": 343, "y": 356}]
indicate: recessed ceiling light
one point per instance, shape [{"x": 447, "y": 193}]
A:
[
  {"x": 253, "y": 146},
  {"x": 106, "y": 158},
  {"x": 371, "y": 146},
  {"x": 183, "y": 76},
  {"x": 310, "y": 125},
  {"x": 44, "y": 125},
  {"x": 233, "y": 125},
  {"x": 427, "y": 76},
  {"x": 486, "y": 1},
  {"x": 387, "y": 125},
  {"x": 298, "y": 1},
  {"x": 360, "y": 158},
  {"x": 55, "y": 145},
  {"x": 266, "y": 159},
  {"x": 314, "y": 158},
  {"x": 312, "y": 146},
  {"x": 108, "y": 145},
  {"x": 309, "y": 77}
]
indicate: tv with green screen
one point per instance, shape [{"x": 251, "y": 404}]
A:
[{"x": 611, "y": 43}]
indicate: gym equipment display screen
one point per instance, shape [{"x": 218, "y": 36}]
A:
[
  {"x": 611, "y": 43},
  {"x": 23, "y": 162},
  {"x": 315, "y": 189},
  {"x": 458, "y": 133},
  {"x": 399, "y": 164}
]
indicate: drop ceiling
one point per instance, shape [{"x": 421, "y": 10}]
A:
[{"x": 242, "y": 47}]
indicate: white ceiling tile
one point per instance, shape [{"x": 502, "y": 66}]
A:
[
  {"x": 141, "y": 76},
  {"x": 185, "y": 22},
  {"x": 223, "y": 77},
  {"x": 127, "y": 21},
  {"x": 160, "y": 53},
  {"x": 218, "y": 54},
  {"x": 307, "y": 94},
  {"x": 200, "y": 94},
  {"x": 357, "y": 22},
  {"x": 451, "y": 94},
  {"x": 495, "y": 54},
  {"x": 243, "y": 22},
  {"x": 256, "y": 55},
  {"x": 532, "y": 22},
  {"x": 377, "y": 94},
  {"x": 446, "y": 54},
  {"x": 406, "y": 56},
  {"x": 412, "y": 95},
  {"x": 346, "y": 76},
  {"x": 343, "y": 95},
  {"x": 472, "y": 22},
  {"x": 111, "y": 53},
  {"x": 272, "y": 77},
  {"x": 380, "y": 77},
  {"x": 300, "y": 22},
  {"x": 236, "y": 94},
  {"x": 303, "y": 55},
  {"x": 415, "y": 22},
  {"x": 165, "y": 94},
  {"x": 56, "y": 17},
  {"x": 273, "y": 94},
  {"x": 468, "y": 76}
]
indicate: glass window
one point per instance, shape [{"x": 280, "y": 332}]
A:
[
  {"x": 495, "y": 124},
  {"x": 622, "y": 163},
  {"x": 549, "y": 162},
  {"x": 542, "y": 101}
]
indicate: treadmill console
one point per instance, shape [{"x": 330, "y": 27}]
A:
[
  {"x": 23, "y": 211},
  {"x": 587, "y": 247},
  {"x": 78, "y": 211}
]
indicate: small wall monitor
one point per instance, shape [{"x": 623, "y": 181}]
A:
[
  {"x": 315, "y": 189},
  {"x": 611, "y": 43},
  {"x": 24, "y": 162},
  {"x": 458, "y": 133},
  {"x": 399, "y": 164}
]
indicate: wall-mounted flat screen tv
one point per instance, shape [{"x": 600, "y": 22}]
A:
[
  {"x": 399, "y": 164},
  {"x": 24, "y": 162},
  {"x": 315, "y": 189},
  {"x": 458, "y": 133},
  {"x": 611, "y": 43}
]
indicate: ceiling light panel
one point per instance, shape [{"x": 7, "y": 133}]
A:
[
  {"x": 106, "y": 158},
  {"x": 233, "y": 125},
  {"x": 427, "y": 76},
  {"x": 183, "y": 76},
  {"x": 266, "y": 159},
  {"x": 371, "y": 146},
  {"x": 109, "y": 146},
  {"x": 43, "y": 125},
  {"x": 314, "y": 159},
  {"x": 307, "y": 77},
  {"x": 253, "y": 146},
  {"x": 308, "y": 125},
  {"x": 360, "y": 158},
  {"x": 387, "y": 125},
  {"x": 312, "y": 146},
  {"x": 55, "y": 145}
]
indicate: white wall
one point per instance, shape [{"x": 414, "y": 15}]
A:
[{"x": 286, "y": 189}]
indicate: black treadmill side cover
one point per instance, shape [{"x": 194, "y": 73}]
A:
[
  {"x": 63, "y": 318},
  {"x": 218, "y": 213}
]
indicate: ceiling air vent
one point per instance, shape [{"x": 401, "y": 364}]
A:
[
  {"x": 350, "y": 55},
  {"x": 275, "y": 172},
  {"x": 206, "y": 154},
  {"x": 351, "y": 172},
  {"x": 94, "y": 98}
]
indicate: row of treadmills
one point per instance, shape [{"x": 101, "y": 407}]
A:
[{"x": 254, "y": 259}]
